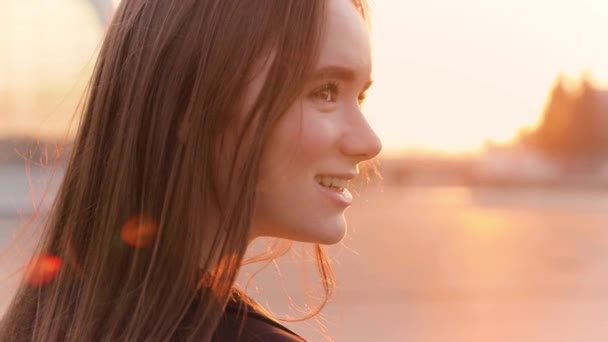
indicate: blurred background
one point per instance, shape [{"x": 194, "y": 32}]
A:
[{"x": 490, "y": 223}]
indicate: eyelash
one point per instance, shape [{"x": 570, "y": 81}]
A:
[
  {"x": 333, "y": 87},
  {"x": 362, "y": 97},
  {"x": 327, "y": 87}
]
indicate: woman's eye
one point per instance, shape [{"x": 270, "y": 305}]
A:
[{"x": 327, "y": 93}]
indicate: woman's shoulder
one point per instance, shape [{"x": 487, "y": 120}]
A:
[{"x": 242, "y": 322}]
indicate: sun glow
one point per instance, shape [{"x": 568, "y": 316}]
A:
[{"x": 450, "y": 76}]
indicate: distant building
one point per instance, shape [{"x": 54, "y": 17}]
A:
[
  {"x": 47, "y": 54},
  {"x": 103, "y": 9},
  {"x": 515, "y": 165}
]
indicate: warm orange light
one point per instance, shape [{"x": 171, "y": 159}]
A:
[
  {"x": 484, "y": 226},
  {"x": 449, "y": 78},
  {"x": 216, "y": 278},
  {"x": 42, "y": 270},
  {"x": 139, "y": 231}
]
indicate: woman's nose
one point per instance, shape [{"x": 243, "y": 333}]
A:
[{"x": 360, "y": 140}]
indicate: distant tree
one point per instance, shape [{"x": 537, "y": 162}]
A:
[
  {"x": 573, "y": 125},
  {"x": 585, "y": 137},
  {"x": 602, "y": 122},
  {"x": 551, "y": 135}
]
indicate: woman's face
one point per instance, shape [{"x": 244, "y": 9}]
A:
[{"x": 315, "y": 148}]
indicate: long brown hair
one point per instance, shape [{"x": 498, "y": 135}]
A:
[{"x": 148, "y": 240}]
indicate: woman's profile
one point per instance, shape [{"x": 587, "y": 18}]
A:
[{"x": 206, "y": 124}]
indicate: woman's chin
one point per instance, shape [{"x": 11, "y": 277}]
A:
[
  {"x": 330, "y": 233},
  {"x": 326, "y": 232},
  {"x": 331, "y": 240}
]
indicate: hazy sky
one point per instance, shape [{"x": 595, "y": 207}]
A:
[{"x": 448, "y": 74}]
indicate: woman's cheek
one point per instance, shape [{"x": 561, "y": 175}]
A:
[{"x": 320, "y": 131}]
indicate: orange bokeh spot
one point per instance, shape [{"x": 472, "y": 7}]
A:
[
  {"x": 42, "y": 270},
  {"x": 139, "y": 231}
]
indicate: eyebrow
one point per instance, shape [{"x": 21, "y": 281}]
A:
[{"x": 342, "y": 73}]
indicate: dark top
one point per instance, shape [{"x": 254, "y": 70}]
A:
[{"x": 241, "y": 322}]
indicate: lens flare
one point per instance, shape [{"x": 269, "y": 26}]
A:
[
  {"x": 139, "y": 231},
  {"x": 42, "y": 270}
]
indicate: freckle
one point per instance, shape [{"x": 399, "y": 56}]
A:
[
  {"x": 42, "y": 270},
  {"x": 139, "y": 231}
]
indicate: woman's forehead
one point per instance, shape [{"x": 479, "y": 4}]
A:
[{"x": 345, "y": 42}]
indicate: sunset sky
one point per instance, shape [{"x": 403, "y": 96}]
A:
[{"x": 448, "y": 74}]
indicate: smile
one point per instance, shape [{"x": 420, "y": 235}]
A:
[
  {"x": 332, "y": 182},
  {"x": 335, "y": 188}
]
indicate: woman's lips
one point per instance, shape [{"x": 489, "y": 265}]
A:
[{"x": 341, "y": 196}]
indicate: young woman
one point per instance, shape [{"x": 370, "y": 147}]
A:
[{"x": 207, "y": 124}]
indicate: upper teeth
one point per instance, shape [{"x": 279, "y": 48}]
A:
[{"x": 332, "y": 181}]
